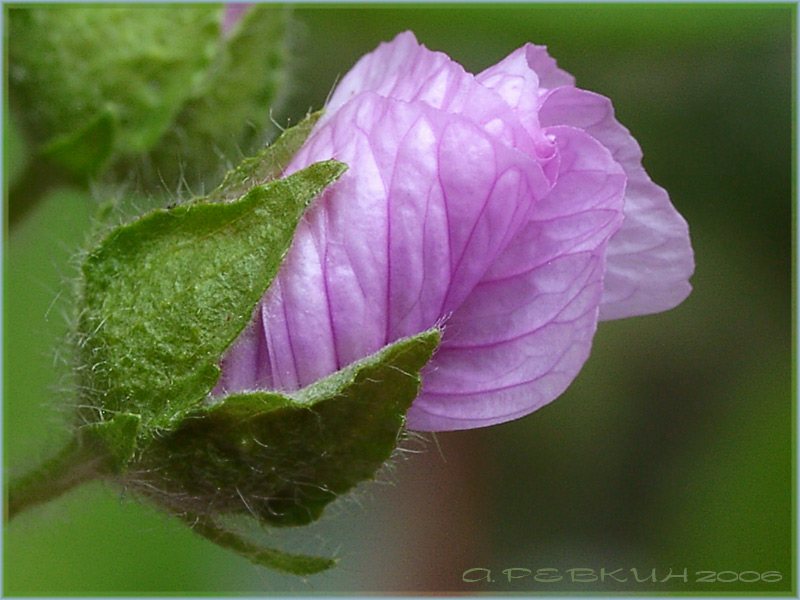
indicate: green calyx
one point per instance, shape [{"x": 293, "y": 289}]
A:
[
  {"x": 285, "y": 457},
  {"x": 165, "y": 296},
  {"x": 282, "y": 459},
  {"x": 162, "y": 299}
]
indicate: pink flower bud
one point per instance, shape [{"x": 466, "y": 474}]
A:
[
  {"x": 234, "y": 11},
  {"x": 494, "y": 204}
]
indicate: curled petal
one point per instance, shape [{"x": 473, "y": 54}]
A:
[
  {"x": 650, "y": 259},
  {"x": 522, "y": 77},
  {"x": 550, "y": 76},
  {"x": 525, "y": 331}
]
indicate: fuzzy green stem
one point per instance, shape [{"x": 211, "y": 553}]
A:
[{"x": 74, "y": 465}]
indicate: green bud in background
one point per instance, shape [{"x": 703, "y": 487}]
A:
[
  {"x": 70, "y": 66},
  {"x": 160, "y": 92},
  {"x": 228, "y": 115}
]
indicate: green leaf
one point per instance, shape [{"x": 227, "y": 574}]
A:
[
  {"x": 84, "y": 152},
  {"x": 164, "y": 297},
  {"x": 229, "y": 114},
  {"x": 67, "y": 63},
  {"x": 284, "y": 458},
  {"x": 267, "y": 164}
]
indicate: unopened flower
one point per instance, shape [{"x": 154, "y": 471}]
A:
[
  {"x": 510, "y": 206},
  {"x": 233, "y": 14}
]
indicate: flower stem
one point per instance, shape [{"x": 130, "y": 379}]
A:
[
  {"x": 38, "y": 178},
  {"x": 74, "y": 465}
]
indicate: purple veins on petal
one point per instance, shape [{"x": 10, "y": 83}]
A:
[
  {"x": 489, "y": 383},
  {"x": 246, "y": 364},
  {"x": 511, "y": 206},
  {"x": 526, "y": 329},
  {"x": 650, "y": 260},
  {"x": 407, "y": 71},
  {"x": 428, "y": 203}
]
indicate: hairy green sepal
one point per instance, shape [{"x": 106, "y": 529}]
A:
[
  {"x": 162, "y": 299},
  {"x": 292, "y": 455},
  {"x": 283, "y": 458},
  {"x": 117, "y": 437},
  {"x": 293, "y": 564},
  {"x": 267, "y": 164},
  {"x": 165, "y": 296}
]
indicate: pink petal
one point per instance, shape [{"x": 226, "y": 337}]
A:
[
  {"x": 405, "y": 70},
  {"x": 522, "y": 77},
  {"x": 550, "y": 76},
  {"x": 650, "y": 259},
  {"x": 429, "y": 201},
  {"x": 233, "y": 14},
  {"x": 525, "y": 331},
  {"x": 494, "y": 203},
  {"x": 246, "y": 363}
]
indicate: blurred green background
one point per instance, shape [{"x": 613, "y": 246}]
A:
[{"x": 672, "y": 450}]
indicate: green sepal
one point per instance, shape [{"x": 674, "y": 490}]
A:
[
  {"x": 284, "y": 458},
  {"x": 117, "y": 436},
  {"x": 84, "y": 152},
  {"x": 164, "y": 296},
  {"x": 293, "y": 564},
  {"x": 267, "y": 164}
]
